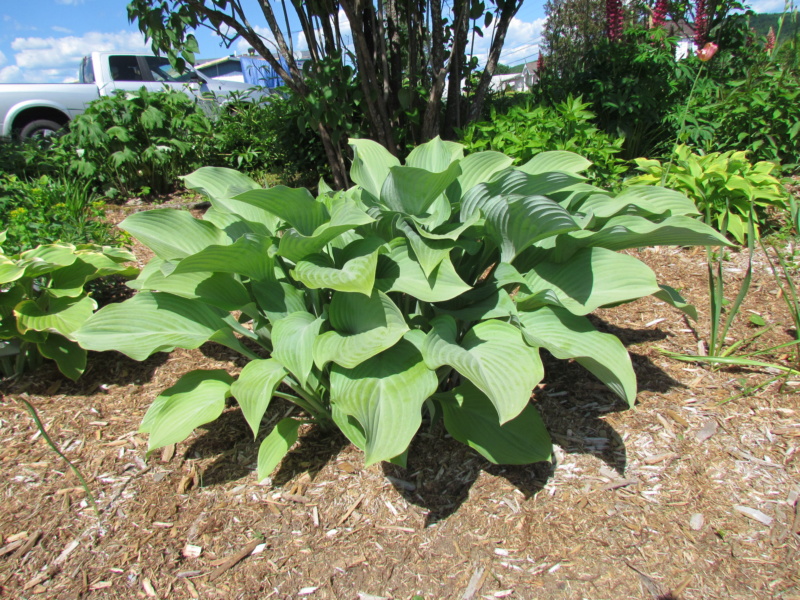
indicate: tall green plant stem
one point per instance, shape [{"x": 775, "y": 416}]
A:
[{"x": 683, "y": 125}]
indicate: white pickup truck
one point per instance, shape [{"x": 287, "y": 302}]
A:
[{"x": 39, "y": 109}]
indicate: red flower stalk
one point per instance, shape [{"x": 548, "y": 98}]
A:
[
  {"x": 540, "y": 63},
  {"x": 701, "y": 24},
  {"x": 770, "y": 40},
  {"x": 614, "y": 19},
  {"x": 659, "y": 13}
]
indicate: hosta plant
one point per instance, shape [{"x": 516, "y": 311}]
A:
[
  {"x": 43, "y": 299},
  {"x": 724, "y": 187},
  {"x": 428, "y": 287}
]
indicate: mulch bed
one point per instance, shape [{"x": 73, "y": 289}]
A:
[{"x": 688, "y": 495}]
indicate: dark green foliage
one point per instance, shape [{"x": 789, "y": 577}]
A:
[
  {"x": 136, "y": 141},
  {"x": 526, "y": 130}
]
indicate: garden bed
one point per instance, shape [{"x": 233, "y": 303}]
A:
[{"x": 637, "y": 503}]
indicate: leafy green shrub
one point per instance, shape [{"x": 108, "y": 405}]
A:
[
  {"x": 425, "y": 287},
  {"x": 525, "y": 131},
  {"x": 134, "y": 141},
  {"x": 43, "y": 299},
  {"x": 724, "y": 186},
  {"x": 47, "y": 210},
  {"x": 28, "y": 159},
  {"x": 266, "y": 137}
]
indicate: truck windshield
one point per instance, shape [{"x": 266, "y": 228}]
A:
[{"x": 161, "y": 70}]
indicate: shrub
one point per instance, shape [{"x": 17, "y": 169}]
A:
[
  {"x": 47, "y": 210},
  {"x": 428, "y": 287},
  {"x": 525, "y": 131},
  {"x": 136, "y": 141},
  {"x": 43, "y": 299},
  {"x": 724, "y": 186}
]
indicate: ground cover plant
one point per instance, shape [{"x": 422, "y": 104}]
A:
[{"x": 425, "y": 287}]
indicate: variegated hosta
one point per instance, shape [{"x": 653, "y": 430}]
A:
[
  {"x": 429, "y": 286},
  {"x": 43, "y": 300}
]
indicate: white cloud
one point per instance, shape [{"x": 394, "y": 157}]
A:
[
  {"x": 60, "y": 29},
  {"x": 767, "y": 6},
  {"x": 10, "y": 74},
  {"x": 69, "y": 2},
  {"x": 3, "y": 59}
]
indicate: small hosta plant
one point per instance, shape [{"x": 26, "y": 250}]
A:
[
  {"x": 428, "y": 287},
  {"x": 724, "y": 186},
  {"x": 43, "y": 299}
]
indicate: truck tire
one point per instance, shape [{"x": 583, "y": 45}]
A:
[{"x": 40, "y": 128}]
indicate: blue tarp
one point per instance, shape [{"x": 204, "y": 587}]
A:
[{"x": 258, "y": 71}]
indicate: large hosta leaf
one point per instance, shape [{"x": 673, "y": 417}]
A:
[
  {"x": 293, "y": 343},
  {"x": 566, "y": 336},
  {"x": 591, "y": 278},
  {"x": 46, "y": 259},
  {"x": 276, "y": 445},
  {"x": 62, "y": 315},
  {"x": 250, "y": 255},
  {"x": 644, "y": 200},
  {"x": 371, "y": 164},
  {"x": 276, "y": 299},
  {"x": 173, "y": 234},
  {"x": 150, "y": 322},
  {"x": 411, "y": 191},
  {"x": 69, "y": 356},
  {"x": 295, "y": 245},
  {"x": 254, "y": 388},
  {"x": 295, "y": 206},
  {"x": 556, "y": 160},
  {"x": 516, "y": 222},
  {"x": 428, "y": 252},
  {"x": 219, "y": 182},
  {"x": 493, "y": 356},
  {"x": 385, "y": 395},
  {"x": 197, "y": 398},
  {"x": 362, "y": 327},
  {"x": 477, "y": 168},
  {"x": 435, "y": 155},
  {"x": 470, "y": 417},
  {"x": 399, "y": 272},
  {"x": 357, "y": 274},
  {"x": 70, "y": 280}
]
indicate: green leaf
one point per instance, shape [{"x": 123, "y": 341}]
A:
[
  {"x": 362, "y": 327},
  {"x": 371, "y": 164},
  {"x": 411, "y": 191},
  {"x": 591, "y": 278},
  {"x": 278, "y": 299},
  {"x": 435, "y": 155},
  {"x": 295, "y": 206},
  {"x": 556, "y": 160},
  {"x": 567, "y": 336},
  {"x": 46, "y": 259},
  {"x": 385, "y": 395},
  {"x": 357, "y": 274},
  {"x": 173, "y": 234},
  {"x": 70, "y": 358},
  {"x": 399, "y": 272},
  {"x": 428, "y": 252},
  {"x": 150, "y": 322},
  {"x": 649, "y": 200},
  {"x": 9, "y": 270},
  {"x": 250, "y": 255},
  {"x": 63, "y": 315},
  {"x": 197, "y": 398},
  {"x": 477, "y": 168},
  {"x": 276, "y": 445},
  {"x": 219, "y": 182},
  {"x": 470, "y": 417},
  {"x": 673, "y": 298},
  {"x": 293, "y": 343},
  {"x": 254, "y": 388},
  {"x": 493, "y": 356}
]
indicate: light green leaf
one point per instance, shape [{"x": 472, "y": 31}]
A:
[
  {"x": 219, "y": 182},
  {"x": 371, "y": 164},
  {"x": 477, "y": 168},
  {"x": 428, "y": 252},
  {"x": 672, "y": 297},
  {"x": 276, "y": 445},
  {"x": 197, "y": 398},
  {"x": 556, "y": 160},
  {"x": 640, "y": 199},
  {"x": 470, "y": 417},
  {"x": 70, "y": 358},
  {"x": 254, "y": 388},
  {"x": 591, "y": 278},
  {"x": 411, "y": 191},
  {"x": 63, "y": 315},
  {"x": 435, "y": 155},
  {"x": 566, "y": 336},
  {"x": 493, "y": 356},
  {"x": 250, "y": 255},
  {"x": 399, "y": 272},
  {"x": 10, "y": 270},
  {"x": 46, "y": 259},
  {"x": 173, "y": 234},
  {"x": 278, "y": 299},
  {"x": 150, "y": 322},
  {"x": 295, "y": 206},
  {"x": 385, "y": 395},
  {"x": 357, "y": 274},
  {"x": 362, "y": 327},
  {"x": 293, "y": 343}
]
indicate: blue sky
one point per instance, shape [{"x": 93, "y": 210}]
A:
[{"x": 44, "y": 40}]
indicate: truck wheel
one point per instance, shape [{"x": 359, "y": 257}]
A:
[{"x": 41, "y": 128}]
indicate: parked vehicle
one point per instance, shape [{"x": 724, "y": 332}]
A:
[{"x": 39, "y": 109}]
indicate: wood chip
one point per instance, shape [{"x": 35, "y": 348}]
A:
[
  {"x": 697, "y": 521},
  {"x": 192, "y": 589},
  {"x": 709, "y": 429},
  {"x": 66, "y": 552},
  {"x": 796, "y": 524},
  {"x": 658, "y": 458},
  {"x": 296, "y": 498},
  {"x": 620, "y": 483},
  {"x": 754, "y": 514},
  {"x": 307, "y": 590},
  {"x": 233, "y": 559},
  {"x": 191, "y": 551},
  {"x": 167, "y": 452},
  {"x": 350, "y": 510},
  {"x": 475, "y": 583},
  {"x": 32, "y": 539},
  {"x": 148, "y": 588},
  {"x": 9, "y": 548},
  {"x": 676, "y": 417}
]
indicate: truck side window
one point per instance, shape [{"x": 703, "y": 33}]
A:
[
  {"x": 87, "y": 70},
  {"x": 125, "y": 68}
]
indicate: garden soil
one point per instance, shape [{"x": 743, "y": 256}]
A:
[{"x": 691, "y": 494}]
